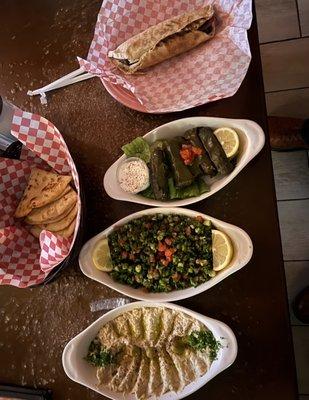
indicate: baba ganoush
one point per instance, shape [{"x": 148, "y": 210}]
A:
[{"x": 150, "y": 351}]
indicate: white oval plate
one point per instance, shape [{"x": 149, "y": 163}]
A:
[
  {"x": 81, "y": 372},
  {"x": 242, "y": 244},
  {"x": 251, "y": 137}
]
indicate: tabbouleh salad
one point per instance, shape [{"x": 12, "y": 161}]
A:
[{"x": 162, "y": 252}]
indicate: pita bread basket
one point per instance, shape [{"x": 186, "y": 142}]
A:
[{"x": 24, "y": 260}]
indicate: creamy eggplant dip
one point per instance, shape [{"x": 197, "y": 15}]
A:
[{"x": 150, "y": 351}]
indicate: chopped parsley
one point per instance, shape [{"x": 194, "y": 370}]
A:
[
  {"x": 98, "y": 355},
  {"x": 162, "y": 252},
  {"x": 201, "y": 340}
]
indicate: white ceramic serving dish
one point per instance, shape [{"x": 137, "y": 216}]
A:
[
  {"x": 81, "y": 372},
  {"x": 242, "y": 244},
  {"x": 251, "y": 137}
]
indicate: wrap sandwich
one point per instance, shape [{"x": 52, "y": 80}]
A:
[{"x": 165, "y": 40}]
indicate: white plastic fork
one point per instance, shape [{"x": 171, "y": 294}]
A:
[{"x": 73, "y": 77}]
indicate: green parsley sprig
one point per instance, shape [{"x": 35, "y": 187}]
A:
[{"x": 201, "y": 340}]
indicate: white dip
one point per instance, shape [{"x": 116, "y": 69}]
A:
[{"x": 133, "y": 175}]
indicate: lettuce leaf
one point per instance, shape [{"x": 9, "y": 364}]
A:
[
  {"x": 147, "y": 193},
  {"x": 182, "y": 193},
  {"x": 137, "y": 148},
  {"x": 202, "y": 185}
]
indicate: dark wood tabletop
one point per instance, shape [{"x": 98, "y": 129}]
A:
[{"x": 39, "y": 42}]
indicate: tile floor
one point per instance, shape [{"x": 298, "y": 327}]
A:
[{"x": 284, "y": 44}]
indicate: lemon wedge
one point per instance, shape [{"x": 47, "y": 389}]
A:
[
  {"x": 222, "y": 250},
  {"x": 229, "y": 140},
  {"x": 101, "y": 256}
]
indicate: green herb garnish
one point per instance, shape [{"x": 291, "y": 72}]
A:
[
  {"x": 202, "y": 340},
  {"x": 98, "y": 355}
]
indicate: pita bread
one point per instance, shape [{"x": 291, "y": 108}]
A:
[
  {"x": 62, "y": 223},
  {"x": 165, "y": 40},
  {"x": 52, "y": 210},
  {"x": 60, "y": 217},
  {"x": 66, "y": 190},
  {"x": 43, "y": 187},
  {"x": 66, "y": 232}
]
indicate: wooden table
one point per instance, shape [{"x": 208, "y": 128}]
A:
[{"x": 39, "y": 42}]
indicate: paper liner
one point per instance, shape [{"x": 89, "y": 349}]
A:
[
  {"x": 25, "y": 260},
  {"x": 209, "y": 72}
]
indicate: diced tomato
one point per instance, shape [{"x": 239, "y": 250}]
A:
[
  {"x": 168, "y": 253},
  {"x": 197, "y": 150},
  {"x": 132, "y": 257},
  {"x": 165, "y": 262},
  {"x": 185, "y": 153},
  {"x": 199, "y": 218},
  {"x": 124, "y": 254},
  {"x": 168, "y": 241},
  {"x": 189, "y": 152},
  {"x": 161, "y": 246}
]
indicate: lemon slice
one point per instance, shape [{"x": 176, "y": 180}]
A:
[
  {"x": 222, "y": 250},
  {"x": 229, "y": 140},
  {"x": 101, "y": 256}
]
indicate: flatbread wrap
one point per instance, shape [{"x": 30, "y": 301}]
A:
[{"x": 165, "y": 40}]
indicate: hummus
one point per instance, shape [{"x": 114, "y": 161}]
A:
[{"x": 150, "y": 352}]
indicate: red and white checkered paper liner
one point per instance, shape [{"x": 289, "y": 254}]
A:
[
  {"x": 209, "y": 72},
  {"x": 25, "y": 260}
]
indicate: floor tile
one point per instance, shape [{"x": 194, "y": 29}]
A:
[
  {"x": 303, "y": 7},
  {"x": 291, "y": 173},
  {"x": 277, "y": 20},
  {"x": 301, "y": 349},
  {"x": 297, "y": 278},
  {"x": 288, "y": 103},
  {"x": 294, "y": 222},
  {"x": 285, "y": 64}
]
